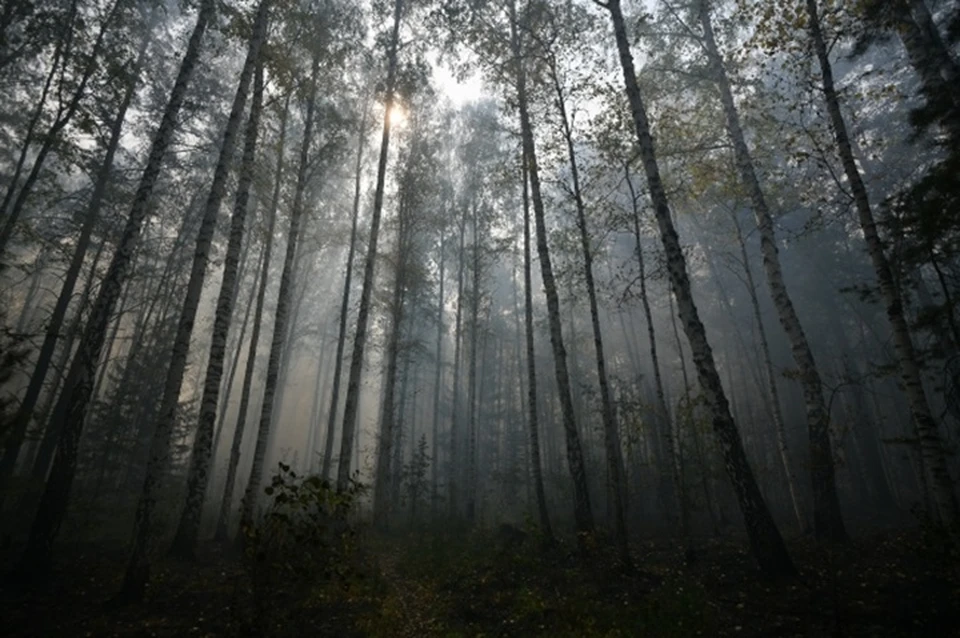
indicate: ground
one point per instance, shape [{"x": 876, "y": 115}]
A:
[{"x": 421, "y": 585}]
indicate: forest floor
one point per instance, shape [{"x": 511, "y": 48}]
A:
[{"x": 894, "y": 584}]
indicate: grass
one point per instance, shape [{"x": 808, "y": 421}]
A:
[{"x": 468, "y": 585}]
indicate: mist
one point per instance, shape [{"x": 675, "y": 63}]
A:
[{"x": 468, "y": 318}]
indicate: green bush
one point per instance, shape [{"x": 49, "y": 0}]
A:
[{"x": 305, "y": 543}]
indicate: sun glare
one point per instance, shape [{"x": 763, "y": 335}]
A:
[{"x": 398, "y": 116}]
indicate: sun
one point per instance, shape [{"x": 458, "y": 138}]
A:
[{"x": 398, "y": 115}]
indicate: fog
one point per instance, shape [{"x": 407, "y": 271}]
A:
[{"x": 661, "y": 275}]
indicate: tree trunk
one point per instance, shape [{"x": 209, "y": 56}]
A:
[
  {"x": 827, "y": 518},
  {"x": 533, "y": 421},
  {"x": 252, "y": 491},
  {"x": 352, "y": 405},
  {"x": 668, "y": 425},
  {"x": 79, "y": 385},
  {"x": 582, "y": 510},
  {"x": 437, "y": 382},
  {"x": 237, "y": 349},
  {"x": 226, "y": 504},
  {"x": 765, "y": 539},
  {"x": 453, "y": 480},
  {"x": 931, "y": 445},
  {"x": 189, "y": 527},
  {"x": 611, "y": 435},
  {"x": 389, "y": 430},
  {"x": 470, "y": 484},
  {"x": 21, "y": 419},
  {"x": 344, "y": 303},
  {"x": 138, "y": 568},
  {"x": 64, "y": 114},
  {"x": 771, "y": 379}
]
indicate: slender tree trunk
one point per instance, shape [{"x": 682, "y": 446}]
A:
[
  {"x": 344, "y": 303},
  {"x": 389, "y": 426},
  {"x": 138, "y": 567},
  {"x": 21, "y": 419},
  {"x": 252, "y": 492},
  {"x": 827, "y": 518},
  {"x": 453, "y": 480},
  {"x": 931, "y": 445},
  {"x": 582, "y": 511},
  {"x": 237, "y": 349},
  {"x": 611, "y": 434},
  {"x": 438, "y": 382},
  {"x": 79, "y": 385},
  {"x": 352, "y": 405},
  {"x": 470, "y": 484},
  {"x": 188, "y": 529},
  {"x": 323, "y": 368},
  {"x": 668, "y": 425},
  {"x": 771, "y": 379},
  {"x": 63, "y": 117},
  {"x": 766, "y": 542},
  {"x": 533, "y": 421},
  {"x": 226, "y": 504}
]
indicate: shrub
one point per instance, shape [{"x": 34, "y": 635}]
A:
[{"x": 304, "y": 543}]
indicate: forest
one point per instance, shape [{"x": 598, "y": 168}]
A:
[{"x": 479, "y": 318}]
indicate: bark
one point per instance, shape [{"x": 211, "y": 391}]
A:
[
  {"x": 344, "y": 303},
  {"x": 389, "y": 443},
  {"x": 188, "y": 529},
  {"x": 532, "y": 421},
  {"x": 771, "y": 379},
  {"x": 611, "y": 435},
  {"x": 437, "y": 382},
  {"x": 79, "y": 385},
  {"x": 352, "y": 404},
  {"x": 453, "y": 478},
  {"x": 767, "y": 544},
  {"x": 138, "y": 567},
  {"x": 237, "y": 350},
  {"x": 226, "y": 504},
  {"x": 21, "y": 419},
  {"x": 582, "y": 511},
  {"x": 667, "y": 423},
  {"x": 931, "y": 444},
  {"x": 470, "y": 484},
  {"x": 827, "y": 518},
  {"x": 252, "y": 491}
]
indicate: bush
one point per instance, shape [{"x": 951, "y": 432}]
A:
[{"x": 303, "y": 544}]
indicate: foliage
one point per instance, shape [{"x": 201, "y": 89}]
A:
[
  {"x": 414, "y": 476},
  {"x": 304, "y": 542},
  {"x": 13, "y": 353}
]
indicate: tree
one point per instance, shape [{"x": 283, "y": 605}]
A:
[
  {"x": 582, "y": 510},
  {"x": 78, "y": 387},
  {"x": 28, "y": 404},
  {"x": 828, "y": 521},
  {"x": 359, "y": 340},
  {"x": 189, "y": 526},
  {"x": 533, "y": 421},
  {"x": 138, "y": 568},
  {"x": 765, "y": 540},
  {"x": 611, "y": 434},
  {"x": 931, "y": 445},
  {"x": 252, "y": 491},
  {"x": 226, "y": 504},
  {"x": 345, "y": 300}
]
